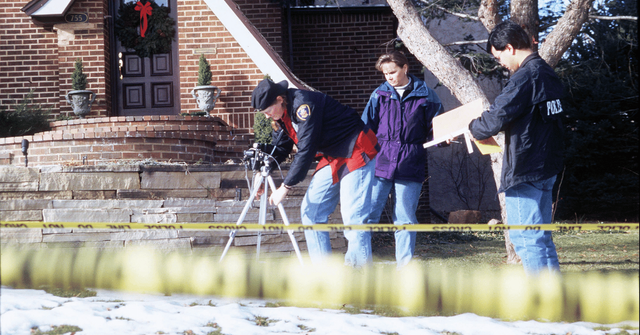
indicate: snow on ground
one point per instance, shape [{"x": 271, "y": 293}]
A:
[{"x": 112, "y": 312}]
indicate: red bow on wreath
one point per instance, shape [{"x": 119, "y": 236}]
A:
[{"x": 145, "y": 10}]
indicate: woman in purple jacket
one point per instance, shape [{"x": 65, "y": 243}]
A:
[{"x": 400, "y": 112}]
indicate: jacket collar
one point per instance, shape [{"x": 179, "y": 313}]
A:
[
  {"x": 418, "y": 88},
  {"x": 529, "y": 58}
]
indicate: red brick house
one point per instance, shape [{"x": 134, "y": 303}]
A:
[
  {"x": 330, "y": 49},
  {"x": 137, "y": 112}
]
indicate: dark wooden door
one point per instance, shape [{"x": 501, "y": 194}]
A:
[{"x": 148, "y": 85}]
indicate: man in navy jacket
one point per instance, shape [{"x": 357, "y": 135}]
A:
[{"x": 529, "y": 111}]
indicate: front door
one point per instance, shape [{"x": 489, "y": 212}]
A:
[{"x": 147, "y": 85}]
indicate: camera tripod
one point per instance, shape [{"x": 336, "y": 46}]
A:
[{"x": 261, "y": 180}]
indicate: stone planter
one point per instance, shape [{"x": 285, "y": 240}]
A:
[
  {"x": 81, "y": 101},
  {"x": 206, "y": 97}
]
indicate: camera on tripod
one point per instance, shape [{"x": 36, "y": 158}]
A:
[
  {"x": 256, "y": 157},
  {"x": 260, "y": 158}
]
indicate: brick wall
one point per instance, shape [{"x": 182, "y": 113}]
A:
[
  {"x": 266, "y": 16},
  {"x": 28, "y": 59},
  {"x": 47, "y": 64},
  {"x": 233, "y": 71},
  {"x": 106, "y": 140},
  {"x": 339, "y": 60},
  {"x": 42, "y": 58}
]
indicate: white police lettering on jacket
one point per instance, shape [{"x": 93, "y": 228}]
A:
[{"x": 554, "y": 107}]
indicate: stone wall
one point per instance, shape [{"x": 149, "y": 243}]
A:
[{"x": 142, "y": 193}]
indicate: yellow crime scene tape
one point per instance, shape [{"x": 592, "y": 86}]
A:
[
  {"x": 323, "y": 227},
  {"x": 415, "y": 289}
]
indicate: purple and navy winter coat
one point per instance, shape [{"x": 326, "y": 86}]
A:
[{"x": 402, "y": 127}]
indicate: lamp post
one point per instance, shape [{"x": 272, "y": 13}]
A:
[{"x": 25, "y": 147}]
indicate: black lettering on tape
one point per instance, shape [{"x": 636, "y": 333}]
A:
[
  {"x": 153, "y": 226},
  {"x": 384, "y": 229},
  {"x": 227, "y": 227},
  {"x": 14, "y": 225},
  {"x": 53, "y": 225},
  {"x": 119, "y": 226}
]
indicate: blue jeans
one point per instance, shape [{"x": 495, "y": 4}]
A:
[
  {"x": 531, "y": 203},
  {"x": 404, "y": 197},
  {"x": 354, "y": 194}
]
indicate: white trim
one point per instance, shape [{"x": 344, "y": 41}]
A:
[
  {"x": 247, "y": 41},
  {"x": 53, "y": 8}
]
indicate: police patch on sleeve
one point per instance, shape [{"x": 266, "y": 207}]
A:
[
  {"x": 550, "y": 109},
  {"x": 303, "y": 112}
]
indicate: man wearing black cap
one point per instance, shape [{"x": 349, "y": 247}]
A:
[{"x": 318, "y": 124}]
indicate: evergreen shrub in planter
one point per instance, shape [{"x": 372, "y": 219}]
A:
[
  {"x": 79, "y": 98},
  {"x": 205, "y": 94}
]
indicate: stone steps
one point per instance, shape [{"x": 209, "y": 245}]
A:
[
  {"x": 144, "y": 211},
  {"x": 162, "y": 194},
  {"x": 152, "y": 211}
]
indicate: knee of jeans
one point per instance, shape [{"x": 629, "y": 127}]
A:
[{"x": 309, "y": 215}]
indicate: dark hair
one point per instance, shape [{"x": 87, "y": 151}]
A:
[
  {"x": 508, "y": 32},
  {"x": 394, "y": 56}
]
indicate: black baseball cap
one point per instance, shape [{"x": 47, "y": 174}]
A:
[{"x": 266, "y": 93}]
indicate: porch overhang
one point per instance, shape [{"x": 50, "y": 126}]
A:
[{"x": 47, "y": 12}]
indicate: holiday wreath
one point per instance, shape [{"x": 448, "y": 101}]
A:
[{"x": 145, "y": 28}]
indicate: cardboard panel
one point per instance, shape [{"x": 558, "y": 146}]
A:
[{"x": 456, "y": 120}]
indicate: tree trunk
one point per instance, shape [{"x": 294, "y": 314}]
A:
[
  {"x": 449, "y": 71},
  {"x": 525, "y": 13},
  {"x": 488, "y": 14},
  {"x": 461, "y": 83},
  {"x": 496, "y": 166},
  {"x": 433, "y": 55},
  {"x": 568, "y": 27}
]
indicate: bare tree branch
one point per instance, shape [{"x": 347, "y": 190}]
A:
[
  {"x": 461, "y": 15},
  {"x": 612, "y": 18},
  {"x": 465, "y": 42}
]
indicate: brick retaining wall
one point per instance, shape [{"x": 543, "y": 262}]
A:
[{"x": 93, "y": 141}]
